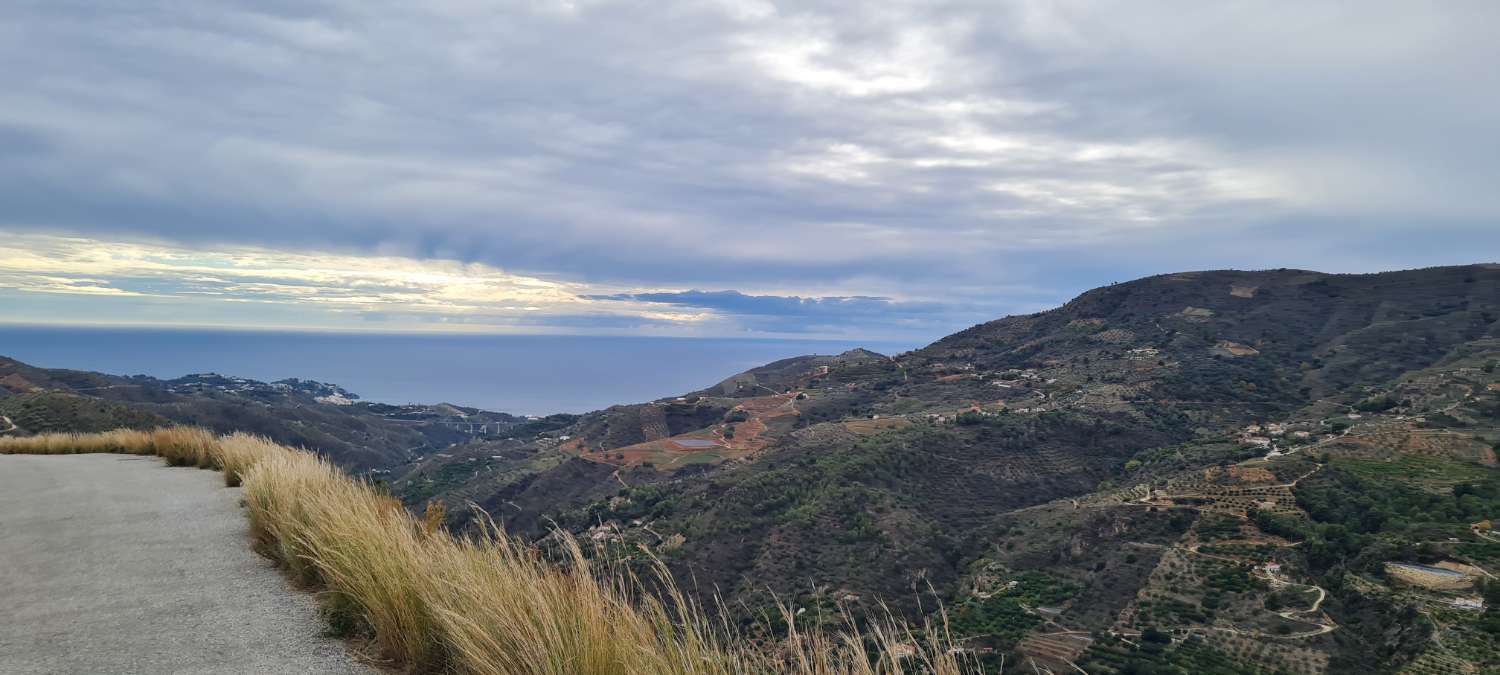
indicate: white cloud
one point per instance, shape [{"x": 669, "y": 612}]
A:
[
  {"x": 346, "y": 290},
  {"x": 40, "y": 263}
]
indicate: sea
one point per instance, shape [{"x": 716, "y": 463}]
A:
[{"x": 518, "y": 374}]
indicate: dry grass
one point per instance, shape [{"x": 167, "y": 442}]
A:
[
  {"x": 180, "y": 446},
  {"x": 239, "y": 451},
  {"x": 489, "y": 605},
  {"x": 120, "y": 441}
]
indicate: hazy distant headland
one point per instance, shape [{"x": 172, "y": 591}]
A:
[{"x": 520, "y": 374}]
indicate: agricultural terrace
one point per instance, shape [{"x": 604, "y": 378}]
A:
[{"x": 751, "y": 425}]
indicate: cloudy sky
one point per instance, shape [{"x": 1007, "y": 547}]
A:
[{"x": 884, "y": 170}]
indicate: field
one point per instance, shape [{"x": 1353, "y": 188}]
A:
[
  {"x": 1431, "y": 473},
  {"x": 751, "y": 425}
]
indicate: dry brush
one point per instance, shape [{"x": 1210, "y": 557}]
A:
[{"x": 488, "y": 604}]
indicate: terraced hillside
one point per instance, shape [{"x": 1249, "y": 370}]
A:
[
  {"x": 1153, "y": 459},
  {"x": 1207, "y": 472}
]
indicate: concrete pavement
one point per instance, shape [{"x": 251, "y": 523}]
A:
[{"x": 117, "y": 564}]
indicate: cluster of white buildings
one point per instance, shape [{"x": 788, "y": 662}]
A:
[{"x": 1263, "y": 436}]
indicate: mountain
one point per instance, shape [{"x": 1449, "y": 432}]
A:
[
  {"x": 323, "y": 417},
  {"x": 1205, "y": 472},
  {"x": 1068, "y": 482}
]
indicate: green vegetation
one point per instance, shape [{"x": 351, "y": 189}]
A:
[
  {"x": 1367, "y": 511},
  {"x": 1249, "y": 551},
  {"x": 1214, "y": 526},
  {"x": 1205, "y": 452},
  {"x": 1231, "y": 578},
  {"x": 631, "y": 503},
  {"x": 1157, "y": 656},
  {"x": 1004, "y": 615},
  {"x": 1380, "y": 403},
  {"x": 971, "y": 418},
  {"x": 1135, "y": 390},
  {"x": 1490, "y": 623},
  {"x": 49, "y": 412},
  {"x": 1486, "y": 552},
  {"x": 1173, "y": 612}
]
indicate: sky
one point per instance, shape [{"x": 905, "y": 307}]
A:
[{"x": 879, "y": 170}]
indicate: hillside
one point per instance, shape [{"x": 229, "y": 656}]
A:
[
  {"x": 1218, "y": 472},
  {"x": 359, "y": 436},
  {"x": 1125, "y": 465}
]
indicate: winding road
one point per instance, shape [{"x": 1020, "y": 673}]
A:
[{"x": 117, "y": 564}]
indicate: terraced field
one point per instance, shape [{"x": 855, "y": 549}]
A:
[
  {"x": 760, "y": 421},
  {"x": 1396, "y": 439}
]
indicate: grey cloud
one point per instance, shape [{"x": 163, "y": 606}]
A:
[
  {"x": 836, "y": 314},
  {"x": 775, "y": 305},
  {"x": 17, "y": 141},
  {"x": 926, "y": 151}
]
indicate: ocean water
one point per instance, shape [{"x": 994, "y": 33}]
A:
[{"x": 527, "y": 375}]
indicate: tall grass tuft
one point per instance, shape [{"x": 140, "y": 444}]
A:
[
  {"x": 187, "y": 446},
  {"x": 489, "y": 604},
  {"x": 122, "y": 441},
  {"x": 239, "y": 451}
]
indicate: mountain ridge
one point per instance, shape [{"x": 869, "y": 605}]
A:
[
  {"x": 1166, "y": 466},
  {"x": 903, "y": 473}
]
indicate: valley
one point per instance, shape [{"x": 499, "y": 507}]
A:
[{"x": 1209, "y": 472}]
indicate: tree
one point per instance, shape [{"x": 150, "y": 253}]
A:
[{"x": 1157, "y": 636}]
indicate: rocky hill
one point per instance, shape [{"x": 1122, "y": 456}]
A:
[
  {"x": 1159, "y": 473},
  {"x": 360, "y": 436},
  {"x": 1207, "y": 472}
]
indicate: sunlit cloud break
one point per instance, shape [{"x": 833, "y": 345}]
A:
[
  {"x": 380, "y": 292},
  {"x": 991, "y": 158}
]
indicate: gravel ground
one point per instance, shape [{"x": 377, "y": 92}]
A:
[{"x": 116, "y": 564}]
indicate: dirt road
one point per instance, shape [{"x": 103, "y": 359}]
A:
[{"x": 116, "y": 564}]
